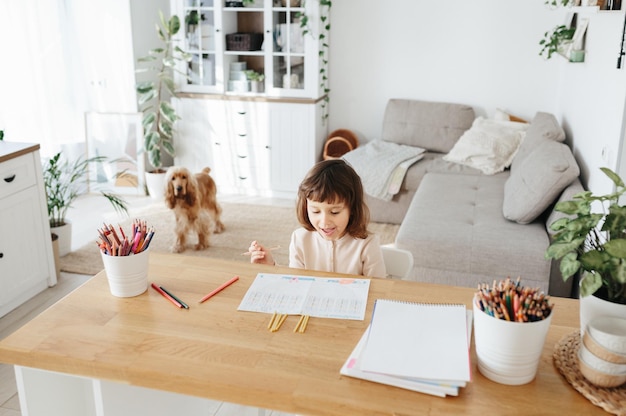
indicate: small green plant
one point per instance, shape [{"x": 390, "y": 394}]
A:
[
  {"x": 159, "y": 117},
  {"x": 594, "y": 243},
  {"x": 63, "y": 181},
  {"x": 553, "y": 39},
  {"x": 252, "y": 75},
  {"x": 193, "y": 18}
]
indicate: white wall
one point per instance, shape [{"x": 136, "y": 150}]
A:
[
  {"x": 144, "y": 17},
  {"x": 480, "y": 52},
  {"x": 591, "y": 101}
]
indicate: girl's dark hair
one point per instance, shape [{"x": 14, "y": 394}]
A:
[{"x": 333, "y": 181}]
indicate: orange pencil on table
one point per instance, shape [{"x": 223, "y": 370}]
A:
[{"x": 219, "y": 289}]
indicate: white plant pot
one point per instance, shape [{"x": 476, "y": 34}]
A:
[
  {"x": 64, "y": 232},
  {"x": 155, "y": 182},
  {"x": 592, "y": 307}
]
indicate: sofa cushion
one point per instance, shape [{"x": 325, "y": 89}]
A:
[
  {"x": 489, "y": 145},
  {"x": 534, "y": 186},
  {"x": 544, "y": 126},
  {"x": 393, "y": 213},
  {"x": 459, "y": 237},
  {"x": 431, "y": 125},
  {"x": 500, "y": 114}
]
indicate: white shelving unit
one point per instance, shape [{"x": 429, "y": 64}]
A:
[
  {"x": 267, "y": 38},
  {"x": 256, "y": 143}
]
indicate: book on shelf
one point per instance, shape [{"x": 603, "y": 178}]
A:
[{"x": 419, "y": 347}]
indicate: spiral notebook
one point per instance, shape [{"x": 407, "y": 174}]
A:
[{"x": 419, "y": 346}]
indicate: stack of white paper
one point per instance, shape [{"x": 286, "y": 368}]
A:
[{"x": 420, "y": 347}]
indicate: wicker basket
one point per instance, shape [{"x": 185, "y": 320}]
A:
[
  {"x": 339, "y": 143},
  {"x": 336, "y": 147},
  {"x": 244, "y": 41}
]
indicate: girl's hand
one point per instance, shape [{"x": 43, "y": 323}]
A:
[{"x": 259, "y": 254}]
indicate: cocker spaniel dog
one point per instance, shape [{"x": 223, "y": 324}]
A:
[{"x": 193, "y": 199}]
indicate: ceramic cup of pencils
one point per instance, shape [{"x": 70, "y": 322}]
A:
[
  {"x": 125, "y": 258},
  {"x": 511, "y": 323}
]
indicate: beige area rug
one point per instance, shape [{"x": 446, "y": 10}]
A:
[{"x": 269, "y": 225}]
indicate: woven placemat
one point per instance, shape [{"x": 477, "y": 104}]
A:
[{"x": 565, "y": 356}]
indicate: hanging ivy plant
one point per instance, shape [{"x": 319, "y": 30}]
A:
[
  {"x": 554, "y": 39},
  {"x": 557, "y": 3},
  {"x": 323, "y": 39}
]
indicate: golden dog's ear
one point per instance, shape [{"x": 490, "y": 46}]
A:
[
  {"x": 191, "y": 196},
  {"x": 170, "y": 199}
]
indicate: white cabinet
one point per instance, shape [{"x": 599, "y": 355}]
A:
[
  {"x": 297, "y": 135},
  {"x": 253, "y": 146},
  {"x": 26, "y": 258},
  {"x": 260, "y": 142},
  {"x": 266, "y": 36}
]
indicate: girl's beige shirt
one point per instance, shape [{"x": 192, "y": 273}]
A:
[{"x": 363, "y": 256}]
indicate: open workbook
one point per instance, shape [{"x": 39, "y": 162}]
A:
[{"x": 419, "y": 347}]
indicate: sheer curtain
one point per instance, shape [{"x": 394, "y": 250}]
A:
[{"x": 62, "y": 58}]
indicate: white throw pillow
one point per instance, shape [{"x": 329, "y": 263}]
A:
[{"x": 489, "y": 145}]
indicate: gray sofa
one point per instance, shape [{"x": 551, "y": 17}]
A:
[{"x": 465, "y": 227}]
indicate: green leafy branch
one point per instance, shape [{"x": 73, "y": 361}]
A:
[
  {"x": 553, "y": 39},
  {"x": 594, "y": 243},
  {"x": 63, "y": 180},
  {"x": 324, "y": 47}
]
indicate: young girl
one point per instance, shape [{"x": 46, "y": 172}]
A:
[{"x": 334, "y": 218}]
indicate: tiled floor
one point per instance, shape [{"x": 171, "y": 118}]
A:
[{"x": 87, "y": 215}]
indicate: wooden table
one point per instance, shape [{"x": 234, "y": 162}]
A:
[{"x": 213, "y": 351}]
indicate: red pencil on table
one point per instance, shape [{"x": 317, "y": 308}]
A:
[
  {"x": 166, "y": 296},
  {"x": 219, "y": 289}
]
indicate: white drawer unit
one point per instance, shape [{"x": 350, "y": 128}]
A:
[
  {"x": 16, "y": 174},
  {"x": 26, "y": 257},
  {"x": 253, "y": 146}
]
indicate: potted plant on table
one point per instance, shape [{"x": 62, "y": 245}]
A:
[
  {"x": 64, "y": 181},
  {"x": 159, "y": 117},
  {"x": 594, "y": 243}
]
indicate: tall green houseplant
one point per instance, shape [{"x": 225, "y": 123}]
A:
[
  {"x": 593, "y": 243},
  {"x": 159, "y": 116}
]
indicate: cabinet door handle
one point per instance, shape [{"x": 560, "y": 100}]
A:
[
  {"x": 243, "y": 177},
  {"x": 243, "y": 113},
  {"x": 9, "y": 179},
  {"x": 267, "y": 146},
  {"x": 1, "y": 255},
  {"x": 242, "y": 134},
  {"x": 241, "y": 157}
]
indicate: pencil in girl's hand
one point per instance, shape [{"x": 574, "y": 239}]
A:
[{"x": 247, "y": 253}]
